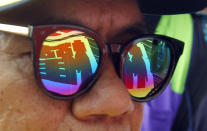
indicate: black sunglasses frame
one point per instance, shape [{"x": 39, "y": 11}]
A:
[
  {"x": 176, "y": 49},
  {"x": 38, "y": 33}
]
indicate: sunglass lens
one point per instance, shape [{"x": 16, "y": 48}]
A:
[
  {"x": 145, "y": 66},
  {"x": 68, "y": 60}
]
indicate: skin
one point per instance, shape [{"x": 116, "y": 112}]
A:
[{"x": 106, "y": 107}]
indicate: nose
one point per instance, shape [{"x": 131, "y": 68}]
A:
[{"x": 107, "y": 98}]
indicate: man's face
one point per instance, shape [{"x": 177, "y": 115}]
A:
[{"x": 106, "y": 107}]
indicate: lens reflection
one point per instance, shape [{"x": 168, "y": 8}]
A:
[
  {"x": 146, "y": 66},
  {"x": 68, "y": 59}
]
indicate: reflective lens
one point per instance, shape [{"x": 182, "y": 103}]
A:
[
  {"x": 68, "y": 60},
  {"x": 146, "y": 66}
]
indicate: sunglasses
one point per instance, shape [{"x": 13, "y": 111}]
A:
[{"x": 69, "y": 59}]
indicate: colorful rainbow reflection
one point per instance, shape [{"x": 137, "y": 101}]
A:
[
  {"x": 145, "y": 66},
  {"x": 68, "y": 58},
  {"x": 137, "y": 75}
]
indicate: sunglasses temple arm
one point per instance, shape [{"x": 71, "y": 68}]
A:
[{"x": 18, "y": 30}]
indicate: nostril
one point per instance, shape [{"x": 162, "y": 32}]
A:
[
  {"x": 98, "y": 108},
  {"x": 102, "y": 118},
  {"x": 94, "y": 118}
]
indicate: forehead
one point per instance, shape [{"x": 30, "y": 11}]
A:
[
  {"x": 97, "y": 14},
  {"x": 107, "y": 17},
  {"x": 36, "y": 11}
]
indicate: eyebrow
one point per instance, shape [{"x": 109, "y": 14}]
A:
[
  {"x": 137, "y": 28},
  {"x": 128, "y": 33}
]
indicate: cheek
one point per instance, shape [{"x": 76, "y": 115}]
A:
[{"x": 23, "y": 106}]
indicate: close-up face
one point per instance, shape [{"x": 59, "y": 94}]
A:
[{"x": 107, "y": 106}]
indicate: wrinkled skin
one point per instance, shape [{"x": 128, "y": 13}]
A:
[{"x": 106, "y": 107}]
